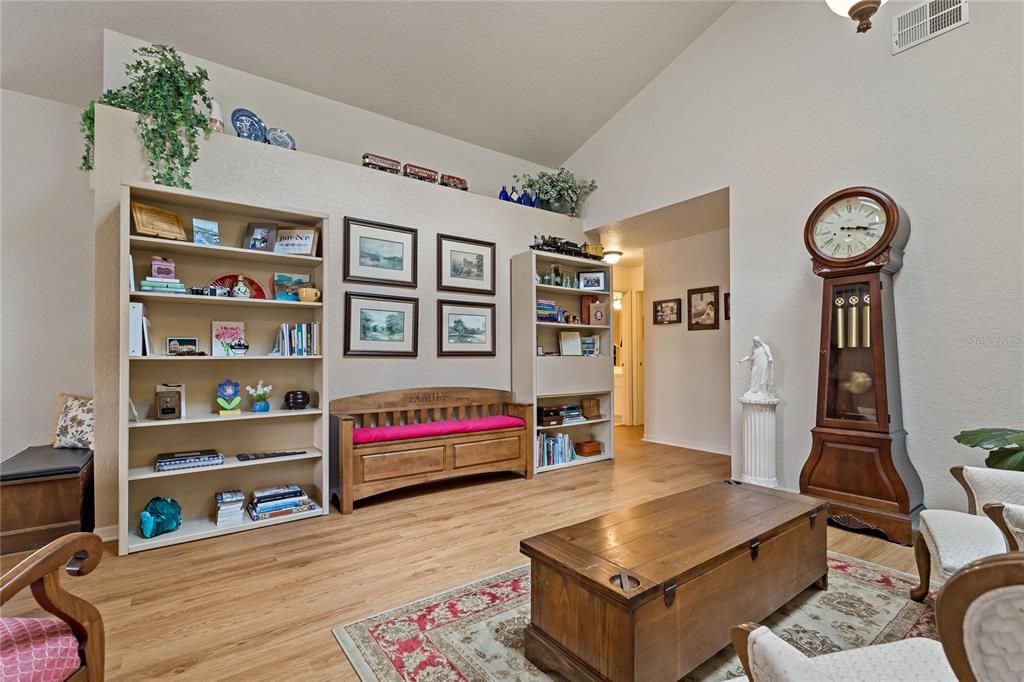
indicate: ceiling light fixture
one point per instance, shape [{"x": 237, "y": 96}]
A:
[
  {"x": 860, "y": 11},
  {"x": 612, "y": 257}
]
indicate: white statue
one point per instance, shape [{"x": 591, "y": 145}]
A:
[{"x": 761, "y": 370}]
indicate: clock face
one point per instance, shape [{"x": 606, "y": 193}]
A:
[{"x": 849, "y": 227}]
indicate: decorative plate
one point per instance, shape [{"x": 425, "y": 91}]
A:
[
  {"x": 248, "y": 125},
  {"x": 280, "y": 138},
  {"x": 230, "y": 279}
]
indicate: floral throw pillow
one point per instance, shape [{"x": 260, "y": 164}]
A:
[{"x": 75, "y": 425}]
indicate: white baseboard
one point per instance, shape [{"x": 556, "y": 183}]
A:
[
  {"x": 106, "y": 533},
  {"x": 690, "y": 445}
]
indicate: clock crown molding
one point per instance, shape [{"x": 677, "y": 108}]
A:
[{"x": 885, "y": 255}]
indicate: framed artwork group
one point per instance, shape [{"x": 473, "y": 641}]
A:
[
  {"x": 702, "y": 309},
  {"x": 386, "y": 255}
]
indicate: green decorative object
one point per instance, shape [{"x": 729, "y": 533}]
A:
[
  {"x": 560, "y": 192},
  {"x": 1005, "y": 446},
  {"x": 166, "y": 95},
  {"x": 161, "y": 515}
]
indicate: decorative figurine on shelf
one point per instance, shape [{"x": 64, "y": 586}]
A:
[
  {"x": 240, "y": 347},
  {"x": 228, "y": 398},
  {"x": 761, "y": 370},
  {"x": 161, "y": 515},
  {"x": 241, "y": 289},
  {"x": 260, "y": 397},
  {"x": 296, "y": 400}
]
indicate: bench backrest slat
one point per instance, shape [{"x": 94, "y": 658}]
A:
[{"x": 420, "y": 405}]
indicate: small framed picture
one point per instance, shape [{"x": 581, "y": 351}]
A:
[
  {"x": 206, "y": 232},
  {"x": 570, "y": 343},
  {"x": 598, "y": 313},
  {"x": 669, "y": 311},
  {"x": 287, "y": 285},
  {"x": 702, "y": 308},
  {"x": 728, "y": 315},
  {"x": 381, "y": 325},
  {"x": 378, "y": 253},
  {"x": 298, "y": 241},
  {"x": 465, "y": 265},
  {"x": 182, "y": 345},
  {"x": 592, "y": 281},
  {"x": 260, "y": 236},
  {"x": 465, "y": 328},
  {"x": 227, "y": 339}
]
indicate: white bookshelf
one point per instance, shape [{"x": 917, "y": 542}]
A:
[
  {"x": 553, "y": 380},
  {"x": 305, "y": 431}
]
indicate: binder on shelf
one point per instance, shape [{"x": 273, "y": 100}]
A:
[{"x": 136, "y": 311}]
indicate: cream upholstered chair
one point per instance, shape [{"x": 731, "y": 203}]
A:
[
  {"x": 1010, "y": 519},
  {"x": 954, "y": 538},
  {"x": 980, "y": 613}
]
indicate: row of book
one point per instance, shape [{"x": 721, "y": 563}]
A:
[
  {"x": 298, "y": 339},
  {"x": 270, "y": 503},
  {"x": 554, "y": 448},
  {"x": 548, "y": 311},
  {"x": 162, "y": 286},
  {"x": 175, "y": 461},
  {"x": 571, "y": 414},
  {"x": 229, "y": 507}
]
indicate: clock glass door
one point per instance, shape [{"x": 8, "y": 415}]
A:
[{"x": 851, "y": 385}]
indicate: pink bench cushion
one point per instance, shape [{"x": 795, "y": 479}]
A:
[
  {"x": 37, "y": 649},
  {"x": 383, "y": 434}
]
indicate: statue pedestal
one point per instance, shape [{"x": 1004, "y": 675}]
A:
[{"x": 759, "y": 441}]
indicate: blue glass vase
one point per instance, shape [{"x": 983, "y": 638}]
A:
[
  {"x": 524, "y": 199},
  {"x": 261, "y": 406},
  {"x": 503, "y": 194}
]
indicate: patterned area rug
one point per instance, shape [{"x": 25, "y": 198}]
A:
[{"x": 475, "y": 632}]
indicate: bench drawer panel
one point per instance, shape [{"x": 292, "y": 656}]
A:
[
  {"x": 387, "y": 465},
  {"x": 486, "y": 451}
]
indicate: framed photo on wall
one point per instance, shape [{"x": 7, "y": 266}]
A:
[
  {"x": 378, "y": 253},
  {"x": 465, "y": 328},
  {"x": 381, "y": 325},
  {"x": 465, "y": 265},
  {"x": 668, "y": 311},
  {"x": 702, "y": 308},
  {"x": 728, "y": 313}
]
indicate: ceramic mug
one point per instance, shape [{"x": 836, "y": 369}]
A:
[{"x": 309, "y": 294}]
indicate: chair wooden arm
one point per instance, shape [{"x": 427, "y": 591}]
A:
[
  {"x": 740, "y": 635},
  {"x": 958, "y": 473},
  {"x": 997, "y": 513},
  {"x": 78, "y": 554}
]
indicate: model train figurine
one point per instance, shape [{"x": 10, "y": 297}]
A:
[
  {"x": 382, "y": 163},
  {"x": 411, "y": 170},
  {"x": 454, "y": 182},
  {"x": 567, "y": 248}
]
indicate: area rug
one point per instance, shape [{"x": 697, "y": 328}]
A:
[{"x": 475, "y": 632}]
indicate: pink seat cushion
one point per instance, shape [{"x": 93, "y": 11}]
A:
[
  {"x": 382, "y": 434},
  {"x": 37, "y": 649}
]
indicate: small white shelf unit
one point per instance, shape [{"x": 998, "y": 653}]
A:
[
  {"x": 554, "y": 380},
  {"x": 176, "y": 315}
]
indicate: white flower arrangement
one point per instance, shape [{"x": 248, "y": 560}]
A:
[
  {"x": 558, "y": 188},
  {"x": 261, "y": 393}
]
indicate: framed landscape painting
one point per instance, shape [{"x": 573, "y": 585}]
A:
[
  {"x": 378, "y": 253},
  {"x": 381, "y": 325},
  {"x": 465, "y": 265},
  {"x": 702, "y": 308},
  {"x": 465, "y": 328}
]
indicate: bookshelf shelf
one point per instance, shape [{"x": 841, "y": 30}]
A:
[
  {"x": 575, "y": 462},
  {"x": 214, "y": 417},
  {"x": 199, "y": 529},
  {"x": 559, "y": 427},
  {"x": 570, "y": 290},
  {"x": 566, "y": 325},
  {"x": 155, "y": 244},
  {"x": 211, "y": 358},
  {"x": 151, "y": 297},
  {"x": 232, "y": 462}
]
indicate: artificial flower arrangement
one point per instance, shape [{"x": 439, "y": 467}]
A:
[{"x": 260, "y": 396}]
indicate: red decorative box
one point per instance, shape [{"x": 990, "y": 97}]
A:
[
  {"x": 161, "y": 268},
  {"x": 420, "y": 173},
  {"x": 382, "y": 163},
  {"x": 454, "y": 181}
]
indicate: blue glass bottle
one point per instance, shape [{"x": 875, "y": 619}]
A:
[
  {"x": 503, "y": 194},
  {"x": 513, "y": 195},
  {"x": 524, "y": 199}
]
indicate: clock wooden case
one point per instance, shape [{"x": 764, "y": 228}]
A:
[{"x": 858, "y": 456}]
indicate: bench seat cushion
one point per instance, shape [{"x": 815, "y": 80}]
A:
[{"x": 382, "y": 434}]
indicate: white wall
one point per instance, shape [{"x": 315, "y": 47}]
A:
[
  {"x": 784, "y": 103},
  {"x": 329, "y": 128},
  {"x": 46, "y": 267},
  {"x": 686, "y": 373}
]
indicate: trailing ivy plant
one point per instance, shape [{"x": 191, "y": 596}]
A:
[
  {"x": 172, "y": 103},
  {"x": 1005, "y": 446},
  {"x": 561, "y": 188}
]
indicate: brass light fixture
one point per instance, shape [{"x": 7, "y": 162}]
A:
[
  {"x": 612, "y": 257},
  {"x": 860, "y": 11}
]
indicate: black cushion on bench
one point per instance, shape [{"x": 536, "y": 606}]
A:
[{"x": 43, "y": 460}]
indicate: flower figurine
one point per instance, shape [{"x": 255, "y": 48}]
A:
[
  {"x": 228, "y": 397},
  {"x": 260, "y": 396}
]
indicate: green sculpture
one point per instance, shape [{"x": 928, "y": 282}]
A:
[{"x": 161, "y": 515}]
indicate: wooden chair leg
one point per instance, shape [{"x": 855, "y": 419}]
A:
[{"x": 924, "y": 569}]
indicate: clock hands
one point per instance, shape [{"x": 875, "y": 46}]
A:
[{"x": 857, "y": 227}]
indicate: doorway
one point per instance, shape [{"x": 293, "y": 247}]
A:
[{"x": 628, "y": 337}]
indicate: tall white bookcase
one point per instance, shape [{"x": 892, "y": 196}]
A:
[
  {"x": 554, "y": 380},
  {"x": 176, "y": 315}
]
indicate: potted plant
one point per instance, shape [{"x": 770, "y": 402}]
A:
[
  {"x": 1005, "y": 446},
  {"x": 560, "y": 192},
  {"x": 169, "y": 100},
  {"x": 260, "y": 396}
]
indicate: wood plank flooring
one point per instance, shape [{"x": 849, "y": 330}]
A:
[{"x": 260, "y": 605}]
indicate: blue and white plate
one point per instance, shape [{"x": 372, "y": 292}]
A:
[
  {"x": 248, "y": 125},
  {"x": 280, "y": 138}
]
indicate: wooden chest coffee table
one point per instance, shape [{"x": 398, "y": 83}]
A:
[{"x": 696, "y": 563}]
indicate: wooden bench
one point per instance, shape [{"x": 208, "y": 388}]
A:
[{"x": 377, "y": 441}]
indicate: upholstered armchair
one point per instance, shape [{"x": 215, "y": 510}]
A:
[
  {"x": 954, "y": 538},
  {"x": 68, "y": 647},
  {"x": 980, "y": 615}
]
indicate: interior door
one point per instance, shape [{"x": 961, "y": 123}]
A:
[{"x": 639, "y": 312}]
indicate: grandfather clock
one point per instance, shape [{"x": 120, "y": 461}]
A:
[{"x": 858, "y": 457}]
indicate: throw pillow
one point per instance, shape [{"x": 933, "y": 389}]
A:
[{"x": 75, "y": 427}]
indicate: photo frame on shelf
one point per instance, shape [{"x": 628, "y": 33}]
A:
[
  {"x": 227, "y": 339},
  {"x": 668, "y": 311},
  {"x": 591, "y": 281},
  {"x": 205, "y": 232},
  {"x": 287, "y": 285},
  {"x": 296, "y": 240},
  {"x": 378, "y": 325},
  {"x": 151, "y": 221},
  {"x": 260, "y": 237},
  {"x": 702, "y": 308},
  {"x": 182, "y": 345},
  {"x": 379, "y": 253},
  {"x": 465, "y": 265},
  {"x": 465, "y": 328},
  {"x": 598, "y": 313},
  {"x": 570, "y": 343}
]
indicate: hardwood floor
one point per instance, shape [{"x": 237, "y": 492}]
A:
[{"x": 260, "y": 605}]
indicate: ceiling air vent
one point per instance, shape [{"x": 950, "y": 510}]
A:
[{"x": 926, "y": 21}]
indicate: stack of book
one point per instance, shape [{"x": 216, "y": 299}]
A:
[
  {"x": 269, "y": 503},
  {"x": 571, "y": 414},
  {"x": 548, "y": 311},
  {"x": 554, "y": 448},
  {"x": 173, "y": 461},
  {"x": 298, "y": 339},
  {"x": 163, "y": 286},
  {"x": 590, "y": 345},
  {"x": 229, "y": 507}
]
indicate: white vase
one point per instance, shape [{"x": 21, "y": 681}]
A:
[{"x": 216, "y": 117}]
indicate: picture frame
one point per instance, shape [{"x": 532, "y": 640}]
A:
[
  {"x": 205, "y": 232},
  {"x": 592, "y": 281},
  {"x": 287, "y": 285},
  {"x": 260, "y": 237},
  {"x": 570, "y": 343},
  {"x": 379, "y": 253},
  {"x": 465, "y": 265},
  {"x": 223, "y": 335},
  {"x": 296, "y": 240},
  {"x": 381, "y": 326},
  {"x": 597, "y": 314},
  {"x": 181, "y": 345},
  {"x": 151, "y": 221},
  {"x": 702, "y": 308},
  {"x": 668, "y": 311},
  {"x": 466, "y": 328},
  {"x": 728, "y": 315}
]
